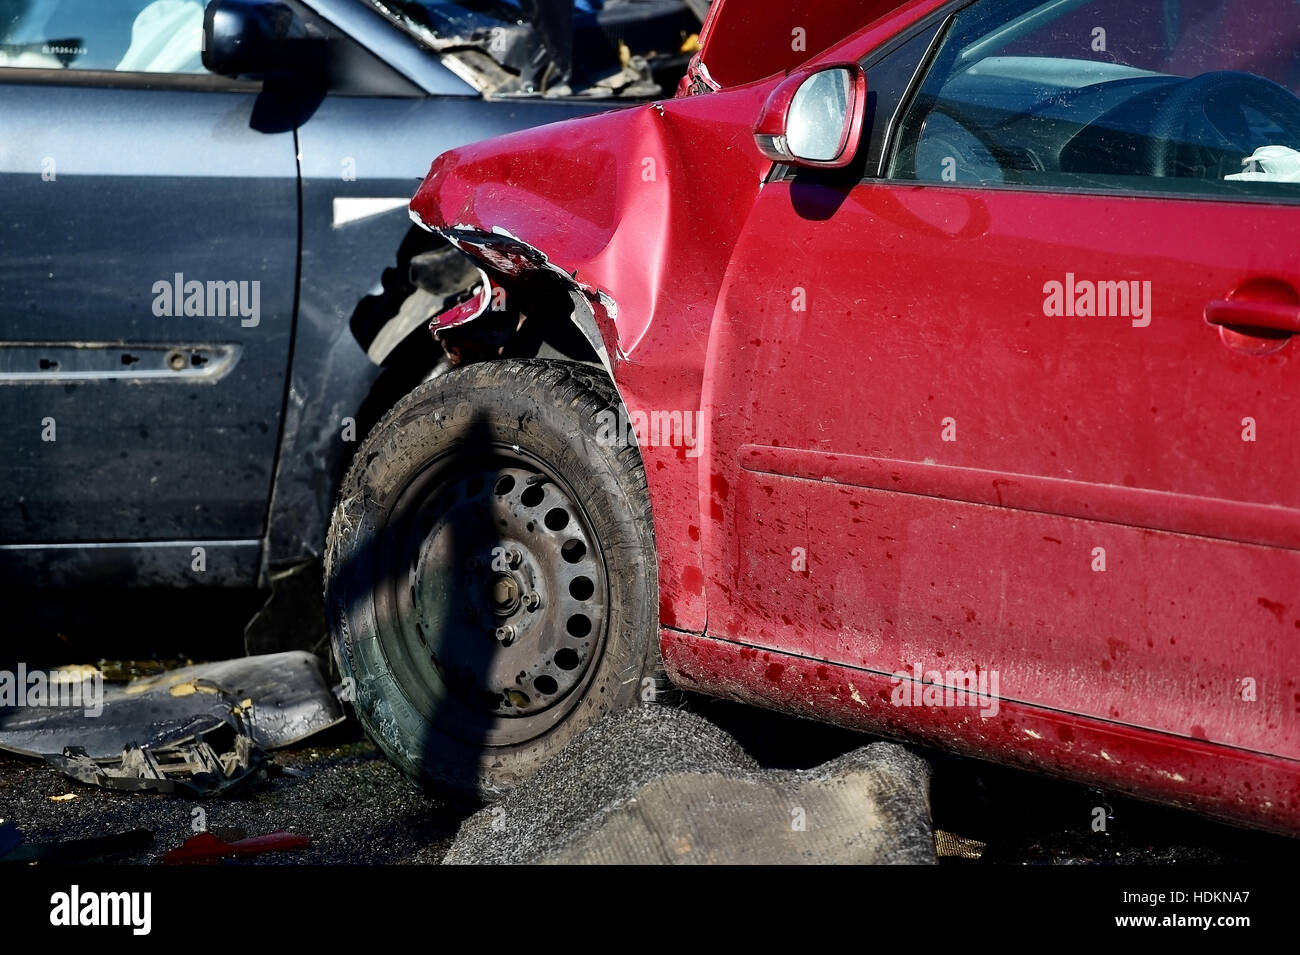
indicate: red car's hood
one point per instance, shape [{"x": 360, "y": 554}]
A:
[
  {"x": 746, "y": 40},
  {"x": 561, "y": 186},
  {"x": 642, "y": 204}
]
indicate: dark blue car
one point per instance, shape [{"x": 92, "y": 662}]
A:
[{"x": 209, "y": 284}]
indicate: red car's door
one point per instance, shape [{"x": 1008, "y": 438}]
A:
[{"x": 969, "y": 412}]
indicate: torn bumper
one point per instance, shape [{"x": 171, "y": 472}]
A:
[
  {"x": 464, "y": 312},
  {"x": 505, "y": 259}
]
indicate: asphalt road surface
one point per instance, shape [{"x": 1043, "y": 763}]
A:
[{"x": 341, "y": 793}]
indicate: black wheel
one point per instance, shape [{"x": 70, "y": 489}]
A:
[{"x": 490, "y": 574}]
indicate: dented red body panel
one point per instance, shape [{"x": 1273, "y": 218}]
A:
[
  {"x": 825, "y": 533},
  {"x": 598, "y": 202}
]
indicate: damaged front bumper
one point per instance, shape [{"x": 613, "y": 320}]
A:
[{"x": 509, "y": 270}]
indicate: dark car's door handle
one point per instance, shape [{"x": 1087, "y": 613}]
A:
[{"x": 1242, "y": 316}]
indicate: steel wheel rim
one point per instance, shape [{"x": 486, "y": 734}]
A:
[{"x": 496, "y": 596}]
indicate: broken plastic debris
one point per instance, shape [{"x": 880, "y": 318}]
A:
[
  {"x": 949, "y": 845},
  {"x": 278, "y": 699},
  {"x": 207, "y": 765},
  {"x": 10, "y": 837},
  {"x": 208, "y": 847},
  {"x": 15, "y": 851}
]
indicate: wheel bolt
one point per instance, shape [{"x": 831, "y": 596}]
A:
[
  {"x": 506, "y": 635},
  {"x": 532, "y": 600},
  {"x": 514, "y": 558}
]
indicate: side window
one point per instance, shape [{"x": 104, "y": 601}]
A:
[
  {"x": 1184, "y": 96},
  {"x": 136, "y": 36}
]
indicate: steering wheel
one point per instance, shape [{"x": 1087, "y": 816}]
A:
[
  {"x": 1183, "y": 111},
  {"x": 946, "y": 141}
]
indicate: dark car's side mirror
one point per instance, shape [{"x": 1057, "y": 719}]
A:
[
  {"x": 258, "y": 39},
  {"x": 814, "y": 117}
]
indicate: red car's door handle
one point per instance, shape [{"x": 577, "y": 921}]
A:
[{"x": 1241, "y": 316}]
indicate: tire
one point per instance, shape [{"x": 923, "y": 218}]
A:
[{"x": 490, "y": 575}]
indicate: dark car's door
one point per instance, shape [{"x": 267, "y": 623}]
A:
[
  {"x": 147, "y": 275},
  {"x": 937, "y": 464}
]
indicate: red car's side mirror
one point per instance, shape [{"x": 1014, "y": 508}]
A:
[{"x": 814, "y": 117}]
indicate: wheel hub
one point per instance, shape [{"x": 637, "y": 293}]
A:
[{"x": 506, "y": 596}]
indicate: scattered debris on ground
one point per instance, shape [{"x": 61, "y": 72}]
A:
[
  {"x": 15, "y": 850},
  {"x": 276, "y": 699},
  {"x": 949, "y": 845},
  {"x": 336, "y": 788},
  {"x": 339, "y": 790},
  {"x": 10, "y": 836},
  {"x": 201, "y": 730},
  {"x": 207, "y": 848},
  {"x": 210, "y": 764}
]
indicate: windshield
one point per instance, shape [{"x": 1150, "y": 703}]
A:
[{"x": 633, "y": 48}]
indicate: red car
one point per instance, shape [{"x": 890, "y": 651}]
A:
[{"x": 923, "y": 368}]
